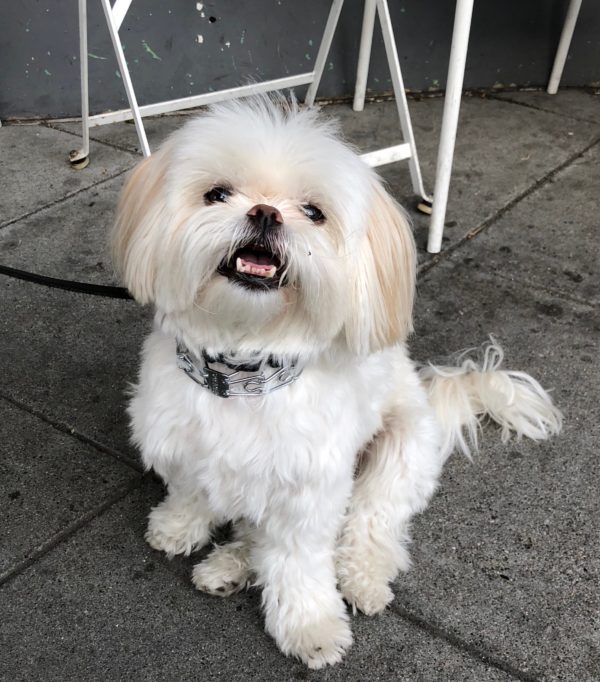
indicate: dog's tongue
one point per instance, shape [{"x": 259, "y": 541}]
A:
[{"x": 255, "y": 263}]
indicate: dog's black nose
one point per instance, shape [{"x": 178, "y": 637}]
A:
[{"x": 266, "y": 217}]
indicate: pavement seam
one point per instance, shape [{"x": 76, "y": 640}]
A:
[
  {"x": 458, "y": 643},
  {"x": 485, "y": 224},
  {"x": 545, "y": 111},
  {"x": 71, "y": 431},
  {"x": 64, "y": 198},
  {"x": 113, "y": 145},
  {"x": 64, "y": 534}
]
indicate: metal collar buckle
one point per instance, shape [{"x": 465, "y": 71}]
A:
[{"x": 238, "y": 382}]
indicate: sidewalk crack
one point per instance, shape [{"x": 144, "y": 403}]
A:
[
  {"x": 485, "y": 224},
  {"x": 459, "y": 643},
  {"x": 71, "y": 431},
  {"x": 64, "y": 198},
  {"x": 528, "y": 105},
  {"x": 122, "y": 148},
  {"x": 69, "y": 530}
]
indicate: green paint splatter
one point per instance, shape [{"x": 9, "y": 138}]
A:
[
  {"x": 150, "y": 51},
  {"x": 117, "y": 74},
  {"x": 96, "y": 56},
  {"x": 47, "y": 72},
  {"x": 307, "y": 57},
  {"x": 331, "y": 66},
  {"x": 436, "y": 82},
  {"x": 310, "y": 42}
]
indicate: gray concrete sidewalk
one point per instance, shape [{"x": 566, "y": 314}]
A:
[{"x": 506, "y": 559}]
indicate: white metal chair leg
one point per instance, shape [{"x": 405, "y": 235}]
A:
[
  {"x": 563, "y": 46},
  {"x": 364, "y": 55},
  {"x": 400, "y": 96},
  {"x": 330, "y": 26},
  {"x": 456, "y": 73},
  {"x": 80, "y": 158},
  {"x": 113, "y": 29}
]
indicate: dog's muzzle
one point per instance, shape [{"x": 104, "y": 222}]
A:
[{"x": 258, "y": 263}]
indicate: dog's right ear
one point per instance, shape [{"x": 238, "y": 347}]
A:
[
  {"x": 383, "y": 278},
  {"x": 139, "y": 226}
]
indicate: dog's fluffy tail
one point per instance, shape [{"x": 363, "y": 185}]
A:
[{"x": 463, "y": 395}]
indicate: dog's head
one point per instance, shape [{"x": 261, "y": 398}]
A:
[{"x": 254, "y": 226}]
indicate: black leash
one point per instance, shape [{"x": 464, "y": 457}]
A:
[{"x": 67, "y": 284}]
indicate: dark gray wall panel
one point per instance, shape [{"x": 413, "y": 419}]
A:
[{"x": 512, "y": 42}]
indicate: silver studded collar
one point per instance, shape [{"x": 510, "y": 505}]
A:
[{"x": 226, "y": 379}]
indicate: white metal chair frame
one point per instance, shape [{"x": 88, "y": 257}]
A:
[
  {"x": 407, "y": 150},
  {"x": 115, "y": 15}
]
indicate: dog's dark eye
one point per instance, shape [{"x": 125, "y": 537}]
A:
[
  {"x": 217, "y": 194},
  {"x": 315, "y": 214}
]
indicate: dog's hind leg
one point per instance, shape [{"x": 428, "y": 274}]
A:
[
  {"x": 397, "y": 475},
  {"x": 226, "y": 570}
]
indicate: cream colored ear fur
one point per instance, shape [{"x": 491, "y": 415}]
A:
[
  {"x": 135, "y": 238},
  {"x": 384, "y": 278}
]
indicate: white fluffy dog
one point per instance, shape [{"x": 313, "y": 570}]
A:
[{"x": 275, "y": 259}]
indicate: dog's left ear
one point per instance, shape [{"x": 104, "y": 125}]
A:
[
  {"x": 384, "y": 272},
  {"x": 139, "y": 227}
]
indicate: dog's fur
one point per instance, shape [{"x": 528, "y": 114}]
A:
[{"x": 322, "y": 477}]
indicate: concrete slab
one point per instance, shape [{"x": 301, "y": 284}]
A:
[
  {"x": 71, "y": 357},
  {"x": 571, "y": 103},
  {"x": 507, "y": 556},
  {"x": 48, "y": 480},
  {"x": 35, "y": 170},
  {"x": 105, "y": 606},
  {"x": 549, "y": 238},
  {"x": 69, "y": 240}
]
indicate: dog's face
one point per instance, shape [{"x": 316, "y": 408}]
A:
[{"x": 255, "y": 227}]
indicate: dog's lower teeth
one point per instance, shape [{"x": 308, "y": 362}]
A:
[{"x": 258, "y": 270}]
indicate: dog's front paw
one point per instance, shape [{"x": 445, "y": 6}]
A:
[
  {"x": 316, "y": 644},
  {"x": 368, "y": 595},
  {"x": 224, "y": 572},
  {"x": 365, "y": 569},
  {"x": 176, "y": 531}
]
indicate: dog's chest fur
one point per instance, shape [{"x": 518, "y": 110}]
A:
[{"x": 247, "y": 452}]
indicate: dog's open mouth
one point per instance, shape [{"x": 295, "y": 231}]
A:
[{"x": 254, "y": 266}]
